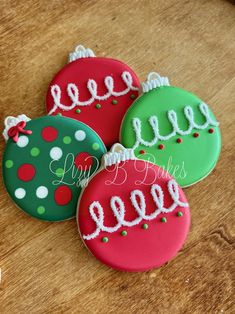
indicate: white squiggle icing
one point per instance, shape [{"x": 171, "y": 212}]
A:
[
  {"x": 73, "y": 92},
  {"x": 172, "y": 116},
  {"x": 81, "y": 52},
  {"x": 139, "y": 204},
  {"x": 154, "y": 80}
]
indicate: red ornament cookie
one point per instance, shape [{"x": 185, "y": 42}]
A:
[
  {"x": 93, "y": 90},
  {"x": 132, "y": 216}
]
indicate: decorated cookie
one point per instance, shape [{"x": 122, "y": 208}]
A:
[
  {"x": 174, "y": 129},
  {"x": 132, "y": 216},
  {"x": 94, "y": 90},
  {"x": 46, "y": 163}
]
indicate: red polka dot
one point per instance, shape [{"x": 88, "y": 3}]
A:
[
  {"x": 142, "y": 152},
  {"x": 179, "y": 140},
  {"x": 63, "y": 195},
  {"x": 211, "y": 131},
  {"x": 195, "y": 134},
  {"x": 160, "y": 146},
  {"x": 26, "y": 172},
  {"x": 83, "y": 161},
  {"x": 49, "y": 134}
]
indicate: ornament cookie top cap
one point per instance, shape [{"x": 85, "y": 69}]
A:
[
  {"x": 81, "y": 52},
  {"x": 94, "y": 90},
  {"x": 154, "y": 80},
  {"x": 14, "y": 126},
  {"x": 117, "y": 154}
]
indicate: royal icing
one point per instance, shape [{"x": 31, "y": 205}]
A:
[
  {"x": 138, "y": 202},
  {"x": 94, "y": 90},
  {"x": 44, "y": 169},
  {"x": 165, "y": 116},
  {"x": 172, "y": 117},
  {"x": 133, "y": 215}
]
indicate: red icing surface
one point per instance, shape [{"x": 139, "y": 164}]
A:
[
  {"x": 49, "y": 134},
  {"x": 63, "y": 195},
  {"x": 83, "y": 161},
  {"x": 107, "y": 119},
  {"x": 140, "y": 249},
  {"x": 26, "y": 172}
]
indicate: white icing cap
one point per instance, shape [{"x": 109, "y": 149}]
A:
[
  {"x": 81, "y": 52},
  {"x": 11, "y": 122},
  {"x": 117, "y": 154},
  {"x": 154, "y": 80}
]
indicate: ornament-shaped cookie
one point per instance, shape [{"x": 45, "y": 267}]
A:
[
  {"x": 46, "y": 162},
  {"x": 174, "y": 129},
  {"x": 94, "y": 90},
  {"x": 132, "y": 216}
]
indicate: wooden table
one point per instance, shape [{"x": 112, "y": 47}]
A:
[{"x": 45, "y": 267}]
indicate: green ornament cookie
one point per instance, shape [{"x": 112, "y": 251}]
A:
[
  {"x": 46, "y": 163},
  {"x": 173, "y": 129}
]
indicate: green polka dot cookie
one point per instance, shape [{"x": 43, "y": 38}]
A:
[
  {"x": 46, "y": 163},
  {"x": 173, "y": 129}
]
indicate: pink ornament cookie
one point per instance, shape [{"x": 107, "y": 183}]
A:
[
  {"x": 132, "y": 216},
  {"x": 94, "y": 90}
]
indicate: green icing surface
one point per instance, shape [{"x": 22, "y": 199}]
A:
[
  {"x": 188, "y": 161},
  {"x": 37, "y": 153}
]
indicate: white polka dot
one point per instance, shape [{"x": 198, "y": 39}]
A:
[
  {"x": 56, "y": 153},
  {"x": 20, "y": 193},
  {"x": 80, "y": 135},
  {"x": 22, "y": 141},
  {"x": 42, "y": 192}
]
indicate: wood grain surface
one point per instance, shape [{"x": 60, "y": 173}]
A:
[{"x": 45, "y": 267}]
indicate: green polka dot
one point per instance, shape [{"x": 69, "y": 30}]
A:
[
  {"x": 105, "y": 239},
  {"x": 59, "y": 172},
  {"x": 114, "y": 102},
  {"x": 132, "y": 96},
  {"x": 41, "y": 210},
  {"x": 163, "y": 219},
  {"x": 179, "y": 214},
  {"x": 95, "y": 146},
  {"x": 124, "y": 233},
  {"x": 145, "y": 226},
  {"x": 9, "y": 164},
  {"x": 98, "y": 106},
  {"x": 78, "y": 110},
  {"x": 67, "y": 139},
  {"x": 59, "y": 114},
  {"x": 35, "y": 152}
]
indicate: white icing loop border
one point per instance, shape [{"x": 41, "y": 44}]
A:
[
  {"x": 11, "y": 121},
  {"x": 153, "y": 81},
  {"x": 73, "y": 92},
  {"x": 81, "y": 52},
  {"x": 172, "y": 116},
  {"x": 137, "y": 198}
]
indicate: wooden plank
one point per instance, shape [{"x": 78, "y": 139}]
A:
[{"x": 45, "y": 267}]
